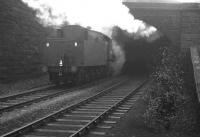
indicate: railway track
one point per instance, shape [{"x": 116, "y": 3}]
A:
[
  {"x": 26, "y": 92},
  {"x": 21, "y": 100},
  {"x": 93, "y": 115},
  {"x": 11, "y": 102}
]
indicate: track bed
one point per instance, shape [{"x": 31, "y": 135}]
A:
[{"x": 100, "y": 111}]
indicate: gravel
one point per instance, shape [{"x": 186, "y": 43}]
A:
[
  {"x": 132, "y": 124},
  {"x": 19, "y": 117},
  {"x": 20, "y": 86}
]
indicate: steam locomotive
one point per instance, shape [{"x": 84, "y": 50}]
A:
[{"x": 77, "y": 55}]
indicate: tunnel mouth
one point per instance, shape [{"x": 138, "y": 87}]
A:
[
  {"x": 141, "y": 56},
  {"x": 135, "y": 69},
  {"x": 142, "y": 50}
]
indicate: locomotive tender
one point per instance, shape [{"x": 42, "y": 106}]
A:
[{"x": 77, "y": 55}]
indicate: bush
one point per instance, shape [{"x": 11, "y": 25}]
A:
[
  {"x": 21, "y": 40},
  {"x": 165, "y": 97}
]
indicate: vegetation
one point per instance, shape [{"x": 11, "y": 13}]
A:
[
  {"x": 171, "y": 98},
  {"x": 172, "y": 102},
  {"x": 21, "y": 39}
]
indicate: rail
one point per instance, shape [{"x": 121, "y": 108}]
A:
[{"x": 35, "y": 124}]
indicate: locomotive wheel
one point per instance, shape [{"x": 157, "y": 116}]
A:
[
  {"x": 101, "y": 73},
  {"x": 57, "y": 82},
  {"x": 93, "y": 73},
  {"x": 79, "y": 78},
  {"x": 54, "y": 79},
  {"x": 91, "y": 76},
  {"x": 98, "y": 74},
  {"x": 51, "y": 77},
  {"x": 86, "y": 76}
]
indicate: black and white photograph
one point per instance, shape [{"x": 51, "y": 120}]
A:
[{"x": 99, "y": 68}]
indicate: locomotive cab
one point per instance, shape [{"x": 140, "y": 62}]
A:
[
  {"x": 62, "y": 58},
  {"x": 76, "y": 54}
]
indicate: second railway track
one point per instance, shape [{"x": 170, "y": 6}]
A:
[
  {"x": 80, "y": 118},
  {"x": 21, "y": 100}
]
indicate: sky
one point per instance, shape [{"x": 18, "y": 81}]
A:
[
  {"x": 98, "y": 14},
  {"x": 166, "y": 1}
]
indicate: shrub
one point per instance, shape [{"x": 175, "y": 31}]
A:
[
  {"x": 165, "y": 97},
  {"x": 21, "y": 40}
]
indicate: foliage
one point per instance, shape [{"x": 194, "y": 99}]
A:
[
  {"x": 21, "y": 39},
  {"x": 165, "y": 98}
]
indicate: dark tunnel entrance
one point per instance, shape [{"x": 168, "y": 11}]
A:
[{"x": 141, "y": 55}]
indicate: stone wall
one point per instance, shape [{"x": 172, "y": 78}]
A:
[
  {"x": 21, "y": 39},
  {"x": 190, "y": 28}
]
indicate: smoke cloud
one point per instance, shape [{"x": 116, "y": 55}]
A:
[
  {"x": 119, "y": 61},
  {"x": 167, "y": 1},
  {"x": 137, "y": 50},
  {"x": 100, "y": 15}
]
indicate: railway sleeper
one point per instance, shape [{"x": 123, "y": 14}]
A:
[{"x": 107, "y": 118}]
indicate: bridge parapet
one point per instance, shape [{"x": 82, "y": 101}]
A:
[
  {"x": 196, "y": 68},
  {"x": 178, "y": 21}
]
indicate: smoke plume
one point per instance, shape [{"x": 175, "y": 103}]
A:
[
  {"x": 130, "y": 48},
  {"x": 168, "y": 1},
  {"x": 100, "y": 15},
  {"x": 119, "y": 61}
]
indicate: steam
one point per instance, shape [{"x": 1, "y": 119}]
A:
[
  {"x": 148, "y": 32},
  {"x": 167, "y": 1},
  {"x": 100, "y": 15},
  {"x": 118, "y": 51},
  {"x": 48, "y": 17}
]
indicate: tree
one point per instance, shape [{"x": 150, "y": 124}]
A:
[{"x": 21, "y": 38}]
